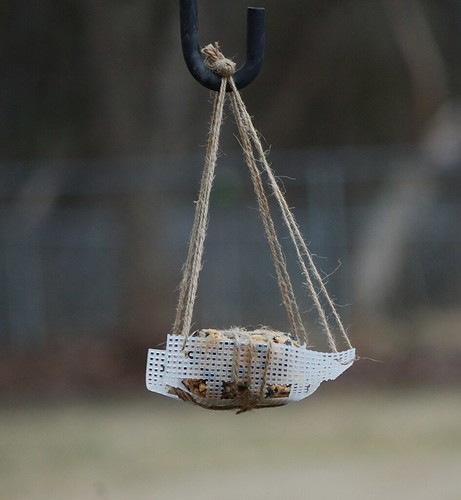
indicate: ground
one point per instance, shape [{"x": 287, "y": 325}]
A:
[{"x": 357, "y": 444}]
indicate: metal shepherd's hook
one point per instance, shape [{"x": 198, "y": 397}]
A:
[{"x": 193, "y": 57}]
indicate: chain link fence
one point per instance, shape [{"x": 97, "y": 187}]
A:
[{"x": 96, "y": 248}]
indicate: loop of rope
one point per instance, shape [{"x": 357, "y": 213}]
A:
[
  {"x": 278, "y": 257},
  {"x": 250, "y": 141},
  {"x": 191, "y": 270},
  {"x": 312, "y": 277}
]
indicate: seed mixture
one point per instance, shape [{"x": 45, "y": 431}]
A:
[
  {"x": 278, "y": 391},
  {"x": 259, "y": 335},
  {"x": 196, "y": 386}
]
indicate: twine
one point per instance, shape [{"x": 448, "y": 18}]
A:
[
  {"x": 192, "y": 267},
  {"x": 247, "y": 399},
  {"x": 247, "y": 131},
  {"x": 278, "y": 257},
  {"x": 251, "y": 142},
  {"x": 216, "y": 61}
]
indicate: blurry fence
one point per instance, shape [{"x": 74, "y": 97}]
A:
[{"x": 92, "y": 248}]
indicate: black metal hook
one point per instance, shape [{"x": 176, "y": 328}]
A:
[{"x": 193, "y": 57}]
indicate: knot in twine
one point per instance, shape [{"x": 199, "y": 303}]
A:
[{"x": 215, "y": 60}]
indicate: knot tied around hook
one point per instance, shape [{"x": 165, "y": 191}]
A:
[
  {"x": 211, "y": 78},
  {"x": 215, "y": 60}
]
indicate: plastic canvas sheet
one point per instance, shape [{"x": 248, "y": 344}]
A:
[{"x": 204, "y": 372}]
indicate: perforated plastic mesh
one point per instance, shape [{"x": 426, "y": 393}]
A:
[{"x": 205, "y": 371}]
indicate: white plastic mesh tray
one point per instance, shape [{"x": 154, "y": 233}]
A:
[{"x": 239, "y": 369}]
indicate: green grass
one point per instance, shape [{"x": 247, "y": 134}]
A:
[{"x": 351, "y": 446}]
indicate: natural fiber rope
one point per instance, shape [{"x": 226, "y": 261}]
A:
[
  {"x": 250, "y": 139},
  {"x": 192, "y": 267},
  {"x": 215, "y": 60},
  {"x": 262, "y": 389},
  {"x": 275, "y": 247},
  {"x": 225, "y": 68},
  {"x": 247, "y": 128},
  {"x": 248, "y": 400}
]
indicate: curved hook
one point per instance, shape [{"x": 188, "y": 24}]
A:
[{"x": 193, "y": 57}]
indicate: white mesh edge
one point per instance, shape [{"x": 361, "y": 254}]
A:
[
  {"x": 212, "y": 363},
  {"x": 155, "y": 372}
]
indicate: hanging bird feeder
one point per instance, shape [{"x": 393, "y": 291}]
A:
[{"x": 238, "y": 368}]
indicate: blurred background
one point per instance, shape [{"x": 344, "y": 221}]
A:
[{"x": 102, "y": 134}]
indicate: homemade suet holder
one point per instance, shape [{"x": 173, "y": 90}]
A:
[{"x": 236, "y": 368}]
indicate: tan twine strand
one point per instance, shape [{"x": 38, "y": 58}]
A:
[
  {"x": 226, "y": 68},
  {"x": 247, "y": 400},
  {"x": 192, "y": 267},
  {"x": 293, "y": 228},
  {"x": 247, "y": 129},
  {"x": 262, "y": 389},
  {"x": 278, "y": 257},
  {"x": 236, "y": 361}
]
